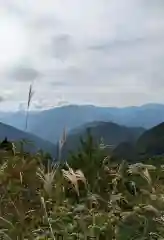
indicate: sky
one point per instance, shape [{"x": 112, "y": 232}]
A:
[{"x": 101, "y": 52}]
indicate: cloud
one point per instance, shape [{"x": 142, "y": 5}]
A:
[
  {"x": 23, "y": 74},
  {"x": 130, "y": 43},
  {"x": 45, "y": 23},
  {"x": 2, "y": 99},
  {"x": 100, "y": 52},
  {"x": 61, "y": 46}
]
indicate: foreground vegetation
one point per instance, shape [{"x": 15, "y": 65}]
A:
[{"x": 87, "y": 197}]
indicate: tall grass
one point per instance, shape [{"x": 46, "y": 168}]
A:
[
  {"x": 30, "y": 96},
  {"x": 39, "y": 202}
]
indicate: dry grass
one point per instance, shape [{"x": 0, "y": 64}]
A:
[
  {"x": 36, "y": 202},
  {"x": 74, "y": 177},
  {"x": 30, "y": 96}
]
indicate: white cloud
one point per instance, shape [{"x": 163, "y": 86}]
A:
[{"x": 100, "y": 52}]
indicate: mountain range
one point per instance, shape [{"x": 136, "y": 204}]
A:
[
  {"x": 49, "y": 124},
  {"x": 32, "y": 143},
  {"x": 149, "y": 144},
  {"x": 130, "y": 132},
  {"x": 107, "y": 133}
]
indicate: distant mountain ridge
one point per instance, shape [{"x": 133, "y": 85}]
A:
[
  {"x": 111, "y": 134},
  {"x": 16, "y": 135},
  {"x": 130, "y": 143},
  {"x": 150, "y": 144},
  {"x": 49, "y": 124}
]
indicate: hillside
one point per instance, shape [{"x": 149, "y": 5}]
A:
[
  {"x": 111, "y": 133},
  {"x": 15, "y": 135},
  {"x": 150, "y": 144},
  {"x": 152, "y": 141},
  {"x": 68, "y": 116},
  {"x": 125, "y": 150},
  {"x": 17, "y": 119},
  {"x": 73, "y": 116}
]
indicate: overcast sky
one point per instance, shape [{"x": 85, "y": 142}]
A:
[{"x": 102, "y": 52}]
